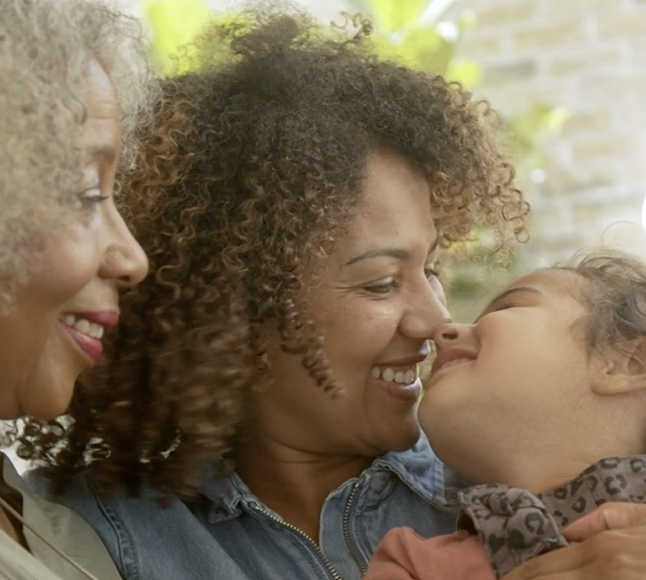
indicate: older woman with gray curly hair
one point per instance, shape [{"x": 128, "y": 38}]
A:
[{"x": 73, "y": 85}]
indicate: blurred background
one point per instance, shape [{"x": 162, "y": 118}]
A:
[{"x": 569, "y": 79}]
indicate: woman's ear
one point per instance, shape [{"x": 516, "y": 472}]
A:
[{"x": 624, "y": 368}]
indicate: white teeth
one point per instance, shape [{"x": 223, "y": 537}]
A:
[
  {"x": 68, "y": 319},
  {"x": 96, "y": 331},
  {"x": 84, "y": 326},
  {"x": 400, "y": 377}
]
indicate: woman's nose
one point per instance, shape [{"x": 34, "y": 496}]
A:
[
  {"x": 125, "y": 259},
  {"x": 427, "y": 310}
]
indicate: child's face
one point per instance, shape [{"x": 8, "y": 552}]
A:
[{"x": 516, "y": 382}]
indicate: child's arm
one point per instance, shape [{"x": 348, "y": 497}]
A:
[{"x": 403, "y": 555}]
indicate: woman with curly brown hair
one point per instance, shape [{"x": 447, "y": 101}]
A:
[
  {"x": 293, "y": 199},
  {"x": 73, "y": 85}
]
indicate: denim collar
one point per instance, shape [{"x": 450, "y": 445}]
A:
[
  {"x": 424, "y": 473},
  {"x": 418, "y": 468}
]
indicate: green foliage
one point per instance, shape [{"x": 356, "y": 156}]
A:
[
  {"x": 413, "y": 31},
  {"x": 392, "y": 17},
  {"x": 530, "y": 132},
  {"x": 174, "y": 24},
  {"x": 408, "y": 30}
]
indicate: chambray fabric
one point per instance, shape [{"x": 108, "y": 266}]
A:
[{"x": 228, "y": 534}]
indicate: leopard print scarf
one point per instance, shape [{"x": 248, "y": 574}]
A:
[{"x": 515, "y": 525}]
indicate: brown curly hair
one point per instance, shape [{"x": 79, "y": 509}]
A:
[
  {"x": 45, "y": 46},
  {"x": 256, "y": 163},
  {"x": 614, "y": 297}
]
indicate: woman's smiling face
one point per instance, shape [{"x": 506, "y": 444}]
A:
[
  {"x": 376, "y": 303},
  {"x": 54, "y": 325}
]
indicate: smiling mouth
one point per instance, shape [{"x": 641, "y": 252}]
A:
[
  {"x": 83, "y": 325},
  {"x": 400, "y": 375},
  {"x": 87, "y": 330}
]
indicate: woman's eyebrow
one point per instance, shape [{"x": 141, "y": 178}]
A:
[
  {"x": 397, "y": 253},
  {"x": 104, "y": 152}
]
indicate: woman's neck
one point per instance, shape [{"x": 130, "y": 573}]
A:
[{"x": 292, "y": 482}]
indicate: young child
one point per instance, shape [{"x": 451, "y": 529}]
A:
[{"x": 543, "y": 400}]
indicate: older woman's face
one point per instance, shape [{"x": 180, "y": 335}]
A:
[
  {"x": 377, "y": 304},
  {"x": 53, "y": 330}
]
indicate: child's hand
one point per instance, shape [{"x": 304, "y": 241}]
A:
[
  {"x": 613, "y": 547},
  {"x": 610, "y": 516}
]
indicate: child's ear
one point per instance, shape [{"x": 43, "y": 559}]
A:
[{"x": 624, "y": 368}]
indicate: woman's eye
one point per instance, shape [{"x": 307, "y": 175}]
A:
[
  {"x": 382, "y": 287},
  {"x": 91, "y": 197},
  {"x": 431, "y": 273}
]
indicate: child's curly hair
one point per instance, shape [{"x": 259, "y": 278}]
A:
[
  {"x": 614, "y": 295},
  {"x": 44, "y": 49},
  {"x": 256, "y": 163}
]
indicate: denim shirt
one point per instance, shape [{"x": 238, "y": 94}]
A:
[{"x": 229, "y": 534}]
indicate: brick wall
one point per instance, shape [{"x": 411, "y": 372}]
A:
[{"x": 588, "y": 56}]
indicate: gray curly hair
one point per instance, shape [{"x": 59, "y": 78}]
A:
[{"x": 45, "y": 46}]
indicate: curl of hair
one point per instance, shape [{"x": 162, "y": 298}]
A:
[
  {"x": 614, "y": 295},
  {"x": 44, "y": 49},
  {"x": 255, "y": 164}
]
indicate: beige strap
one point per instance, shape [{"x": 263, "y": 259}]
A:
[
  {"x": 6, "y": 574},
  {"x": 18, "y": 516}
]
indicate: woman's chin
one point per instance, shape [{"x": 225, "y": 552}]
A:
[
  {"x": 46, "y": 402},
  {"x": 406, "y": 438}
]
